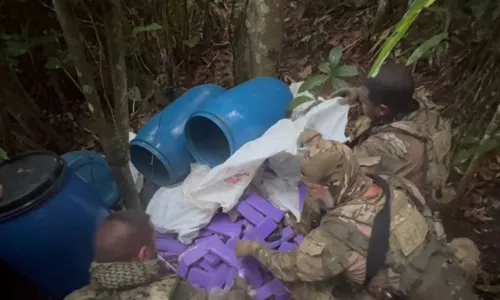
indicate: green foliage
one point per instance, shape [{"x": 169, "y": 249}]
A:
[
  {"x": 472, "y": 145},
  {"x": 331, "y": 70},
  {"x": 149, "y": 28},
  {"x": 399, "y": 32},
  {"x": 3, "y": 154},
  {"x": 436, "y": 45}
]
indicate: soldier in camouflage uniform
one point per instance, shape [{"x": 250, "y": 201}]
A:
[
  {"x": 126, "y": 266},
  {"x": 405, "y": 138},
  {"x": 417, "y": 265}
]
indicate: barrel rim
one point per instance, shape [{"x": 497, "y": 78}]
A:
[
  {"x": 164, "y": 160},
  {"x": 41, "y": 194},
  {"x": 222, "y": 126}
]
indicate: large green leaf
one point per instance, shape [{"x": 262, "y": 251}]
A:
[
  {"x": 398, "y": 33},
  {"x": 426, "y": 47},
  {"x": 15, "y": 48},
  {"x": 345, "y": 71},
  {"x": 338, "y": 83},
  {"x": 299, "y": 101},
  {"x": 313, "y": 82},
  {"x": 324, "y": 67},
  {"x": 335, "y": 56}
]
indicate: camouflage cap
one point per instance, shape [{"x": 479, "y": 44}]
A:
[{"x": 333, "y": 165}]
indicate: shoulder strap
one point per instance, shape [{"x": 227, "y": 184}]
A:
[{"x": 378, "y": 244}]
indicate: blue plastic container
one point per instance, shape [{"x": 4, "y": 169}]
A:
[
  {"x": 222, "y": 125},
  {"x": 94, "y": 169},
  {"x": 48, "y": 216},
  {"x": 159, "y": 150}
]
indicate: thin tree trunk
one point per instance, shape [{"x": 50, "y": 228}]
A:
[
  {"x": 114, "y": 137},
  {"x": 493, "y": 126},
  {"x": 260, "y": 36},
  {"x": 118, "y": 146}
]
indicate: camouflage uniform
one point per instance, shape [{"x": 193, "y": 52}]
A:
[
  {"x": 418, "y": 264},
  {"x": 415, "y": 147},
  {"x": 142, "y": 281}
]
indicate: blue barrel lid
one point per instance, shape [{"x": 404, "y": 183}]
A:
[{"x": 28, "y": 180}]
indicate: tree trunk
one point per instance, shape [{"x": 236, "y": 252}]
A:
[
  {"x": 114, "y": 137},
  {"x": 258, "y": 39}
]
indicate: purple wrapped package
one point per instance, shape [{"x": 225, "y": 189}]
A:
[
  {"x": 199, "y": 277},
  {"x": 168, "y": 255},
  {"x": 251, "y": 272},
  {"x": 226, "y": 254},
  {"x": 222, "y": 224},
  {"x": 220, "y": 275},
  {"x": 262, "y": 230},
  {"x": 298, "y": 239},
  {"x": 231, "y": 243},
  {"x": 287, "y": 247},
  {"x": 265, "y": 207},
  {"x": 205, "y": 265},
  {"x": 273, "y": 287},
  {"x": 249, "y": 213},
  {"x": 303, "y": 191},
  {"x": 170, "y": 245},
  {"x": 190, "y": 257},
  {"x": 230, "y": 276}
]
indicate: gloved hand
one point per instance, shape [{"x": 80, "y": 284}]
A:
[{"x": 350, "y": 95}]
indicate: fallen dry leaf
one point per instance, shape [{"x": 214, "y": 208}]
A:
[{"x": 306, "y": 72}]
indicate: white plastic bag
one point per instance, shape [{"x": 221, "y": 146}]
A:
[
  {"x": 224, "y": 184},
  {"x": 138, "y": 178},
  {"x": 170, "y": 213}
]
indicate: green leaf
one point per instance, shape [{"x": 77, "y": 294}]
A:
[
  {"x": 345, "y": 71},
  {"x": 426, "y": 48},
  {"x": 15, "y": 48},
  {"x": 313, "y": 82},
  {"x": 148, "y": 28},
  {"x": 299, "y": 101},
  {"x": 3, "y": 154},
  {"x": 398, "y": 33},
  {"x": 191, "y": 43},
  {"x": 53, "y": 63},
  {"x": 324, "y": 67},
  {"x": 335, "y": 56},
  {"x": 134, "y": 94},
  {"x": 462, "y": 156},
  {"x": 338, "y": 83}
]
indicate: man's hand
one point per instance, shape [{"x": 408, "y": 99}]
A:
[
  {"x": 243, "y": 248},
  {"x": 350, "y": 95}
]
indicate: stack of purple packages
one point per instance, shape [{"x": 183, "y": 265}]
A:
[{"x": 210, "y": 262}]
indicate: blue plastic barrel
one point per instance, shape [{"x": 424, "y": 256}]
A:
[
  {"x": 222, "y": 125},
  {"x": 159, "y": 150},
  {"x": 94, "y": 169},
  {"x": 48, "y": 216}
]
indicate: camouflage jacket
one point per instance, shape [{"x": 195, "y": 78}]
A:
[
  {"x": 416, "y": 147},
  {"x": 141, "y": 281},
  {"x": 338, "y": 247}
]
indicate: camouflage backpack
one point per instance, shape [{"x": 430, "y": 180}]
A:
[{"x": 435, "y": 132}]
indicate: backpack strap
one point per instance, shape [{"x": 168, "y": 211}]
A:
[{"x": 378, "y": 244}]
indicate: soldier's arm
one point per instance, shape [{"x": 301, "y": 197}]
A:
[
  {"x": 185, "y": 291},
  {"x": 319, "y": 257}
]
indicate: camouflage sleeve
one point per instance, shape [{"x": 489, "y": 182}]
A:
[
  {"x": 379, "y": 150},
  {"x": 319, "y": 257}
]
